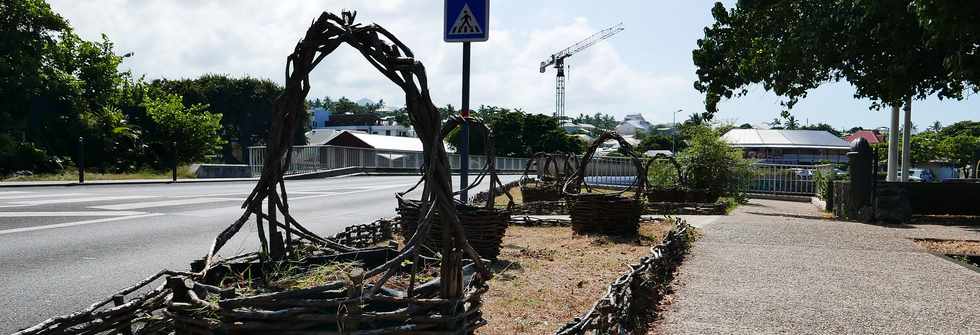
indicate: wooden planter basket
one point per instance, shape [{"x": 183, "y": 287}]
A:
[
  {"x": 552, "y": 170},
  {"x": 605, "y": 213},
  {"x": 484, "y": 227}
]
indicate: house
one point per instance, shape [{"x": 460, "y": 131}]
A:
[
  {"x": 321, "y": 136},
  {"x": 319, "y": 117},
  {"x": 632, "y": 124},
  {"x": 378, "y": 142},
  {"x": 370, "y": 123},
  {"x": 872, "y": 136},
  {"x": 780, "y": 146},
  {"x": 577, "y": 128}
]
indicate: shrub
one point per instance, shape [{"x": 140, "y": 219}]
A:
[
  {"x": 711, "y": 164},
  {"x": 17, "y": 156}
]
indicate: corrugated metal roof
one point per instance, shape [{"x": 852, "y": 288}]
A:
[
  {"x": 383, "y": 142},
  {"x": 320, "y": 136},
  {"x": 781, "y": 138}
]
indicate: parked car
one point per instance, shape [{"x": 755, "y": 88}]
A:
[
  {"x": 919, "y": 175},
  {"x": 803, "y": 173}
]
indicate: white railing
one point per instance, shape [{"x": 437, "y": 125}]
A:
[
  {"x": 313, "y": 158},
  {"x": 788, "y": 179}
]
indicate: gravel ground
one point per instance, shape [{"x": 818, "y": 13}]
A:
[{"x": 784, "y": 268}]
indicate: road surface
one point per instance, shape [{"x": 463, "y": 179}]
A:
[{"x": 63, "y": 248}]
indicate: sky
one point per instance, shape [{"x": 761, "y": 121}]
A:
[{"x": 645, "y": 69}]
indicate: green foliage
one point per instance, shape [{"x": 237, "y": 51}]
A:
[
  {"x": 246, "y": 105},
  {"x": 654, "y": 141},
  {"x": 193, "y": 128},
  {"x": 823, "y": 126},
  {"x": 824, "y": 181},
  {"x": 519, "y": 134},
  {"x": 888, "y": 50},
  {"x": 662, "y": 175},
  {"x": 599, "y": 120},
  {"x": 709, "y": 163},
  {"x": 962, "y": 150}
]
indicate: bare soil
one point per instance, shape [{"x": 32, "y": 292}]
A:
[
  {"x": 958, "y": 247},
  {"x": 546, "y": 276}
]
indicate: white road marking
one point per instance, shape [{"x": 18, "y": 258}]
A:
[
  {"x": 13, "y": 192},
  {"x": 31, "y": 196},
  {"x": 165, "y": 203},
  {"x": 57, "y": 214},
  {"x": 72, "y": 224},
  {"x": 351, "y": 192},
  {"x": 83, "y": 199}
]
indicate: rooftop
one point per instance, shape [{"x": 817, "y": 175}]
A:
[
  {"x": 347, "y": 138},
  {"x": 781, "y": 138}
]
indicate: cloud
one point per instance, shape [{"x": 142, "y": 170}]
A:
[{"x": 185, "y": 39}]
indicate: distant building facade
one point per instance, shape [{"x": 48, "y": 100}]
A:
[
  {"x": 632, "y": 124},
  {"x": 780, "y": 146},
  {"x": 369, "y": 123}
]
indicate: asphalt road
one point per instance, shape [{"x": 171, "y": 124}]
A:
[{"x": 63, "y": 248}]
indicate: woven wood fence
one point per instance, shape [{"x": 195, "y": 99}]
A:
[{"x": 631, "y": 300}]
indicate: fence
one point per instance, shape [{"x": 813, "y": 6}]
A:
[
  {"x": 788, "y": 179},
  {"x": 313, "y": 158}
]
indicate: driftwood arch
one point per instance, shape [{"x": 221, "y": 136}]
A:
[
  {"x": 395, "y": 61},
  {"x": 574, "y": 183}
]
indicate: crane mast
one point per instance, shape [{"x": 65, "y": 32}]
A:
[{"x": 558, "y": 61}]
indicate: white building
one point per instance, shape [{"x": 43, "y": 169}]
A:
[
  {"x": 789, "y": 146},
  {"x": 632, "y": 124}
]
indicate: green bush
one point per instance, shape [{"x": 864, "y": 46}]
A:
[
  {"x": 16, "y": 156},
  {"x": 711, "y": 164},
  {"x": 195, "y": 130},
  {"x": 662, "y": 175}
]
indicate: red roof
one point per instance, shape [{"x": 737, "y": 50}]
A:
[{"x": 870, "y": 135}]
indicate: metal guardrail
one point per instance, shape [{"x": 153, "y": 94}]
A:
[
  {"x": 789, "y": 179},
  {"x": 313, "y": 158}
]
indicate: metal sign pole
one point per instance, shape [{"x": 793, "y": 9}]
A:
[{"x": 465, "y": 154}]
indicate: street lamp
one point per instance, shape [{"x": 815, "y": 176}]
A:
[{"x": 673, "y": 132}]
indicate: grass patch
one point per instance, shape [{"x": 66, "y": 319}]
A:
[
  {"x": 546, "y": 276},
  {"x": 183, "y": 172}
]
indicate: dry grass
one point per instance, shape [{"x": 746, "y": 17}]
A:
[
  {"x": 501, "y": 200},
  {"x": 950, "y": 246},
  {"x": 546, "y": 276}
]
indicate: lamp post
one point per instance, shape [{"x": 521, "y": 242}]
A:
[{"x": 673, "y": 132}]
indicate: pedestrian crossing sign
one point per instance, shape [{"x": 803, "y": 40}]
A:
[{"x": 466, "y": 21}]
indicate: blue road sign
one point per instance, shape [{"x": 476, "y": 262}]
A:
[{"x": 466, "y": 21}]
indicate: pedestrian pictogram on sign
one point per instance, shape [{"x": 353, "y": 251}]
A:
[{"x": 466, "y": 21}]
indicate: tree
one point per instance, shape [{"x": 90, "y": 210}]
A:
[
  {"x": 519, "y": 134},
  {"x": 880, "y": 47},
  {"x": 599, "y": 120},
  {"x": 711, "y": 164},
  {"x": 823, "y": 126},
  {"x": 962, "y": 149},
  {"x": 30, "y": 31},
  {"x": 745, "y": 126},
  {"x": 195, "y": 130},
  {"x": 246, "y": 105},
  {"x": 971, "y": 128}
]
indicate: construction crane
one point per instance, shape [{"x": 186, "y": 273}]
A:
[{"x": 558, "y": 60}]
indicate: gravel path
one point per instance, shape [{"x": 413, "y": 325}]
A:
[{"x": 784, "y": 268}]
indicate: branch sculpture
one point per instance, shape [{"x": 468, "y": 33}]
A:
[{"x": 449, "y": 304}]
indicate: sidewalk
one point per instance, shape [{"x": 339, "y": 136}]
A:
[{"x": 781, "y": 268}]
